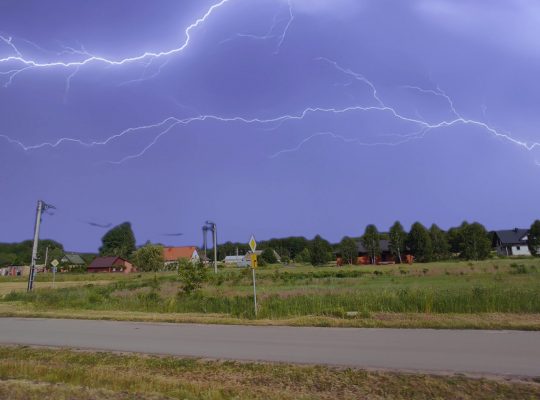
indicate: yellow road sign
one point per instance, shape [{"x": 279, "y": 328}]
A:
[
  {"x": 254, "y": 261},
  {"x": 55, "y": 263},
  {"x": 252, "y": 243}
]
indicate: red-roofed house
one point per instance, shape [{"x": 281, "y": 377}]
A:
[
  {"x": 111, "y": 264},
  {"x": 173, "y": 254}
]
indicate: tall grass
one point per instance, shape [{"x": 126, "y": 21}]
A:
[{"x": 146, "y": 296}]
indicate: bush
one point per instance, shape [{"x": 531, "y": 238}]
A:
[
  {"x": 192, "y": 275},
  {"x": 518, "y": 268},
  {"x": 269, "y": 256}
]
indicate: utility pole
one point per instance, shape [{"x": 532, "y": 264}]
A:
[
  {"x": 211, "y": 226},
  {"x": 41, "y": 206},
  {"x": 46, "y": 257},
  {"x": 215, "y": 248},
  {"x": 205, "y": 240}
]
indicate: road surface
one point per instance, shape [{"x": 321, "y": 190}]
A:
[{"x": 465, "y": 351}]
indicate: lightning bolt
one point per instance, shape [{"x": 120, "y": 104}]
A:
[
  {"x": 27, "y": 63},
  {"x": 270, "y": 33},
  {"x": 425, "y": 126},
  {"x": 168, "y": 124},
  {"x": 341, "y": 138}
]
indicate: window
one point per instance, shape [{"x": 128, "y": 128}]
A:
[{"x": 518, "y": 247}]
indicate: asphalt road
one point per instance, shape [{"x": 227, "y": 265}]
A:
[{"x": 465, "y": 351}]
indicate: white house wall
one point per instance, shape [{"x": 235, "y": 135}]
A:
[{"x": 521, "y": 250}]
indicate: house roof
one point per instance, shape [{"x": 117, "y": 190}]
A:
[
  {"x": 73, "y": 259},
  {"x": 175, "y": 253},
  {"x": 104, "y": 262},
  {"x": 512, "y": 236}
]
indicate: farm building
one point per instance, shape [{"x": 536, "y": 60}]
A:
[
  {"x": 233, "y": 260},
  {"x": 512, "y": 242},
  {"x": 111, "y": 264},
  {"x": 72, "y": 260},
  {"x": 173, "y": 254},
  {"x": 385, "y": 256},
  {"x": 15, "y": 270}
]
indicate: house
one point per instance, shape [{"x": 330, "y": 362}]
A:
[
  {"x": 173, "y": 254},
  {"x": 512, "y": 242},
  {"x": 385, "y": 257},
  {"x": 72, "y": 260},
  {"x": 16, "y": 270},
  {"x": 234, "y": 260},
  {"x": 111, "y": 264}
]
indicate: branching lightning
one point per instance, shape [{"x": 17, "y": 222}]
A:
[
  {"x": 377, "y": 105},
  {"x": 27, "y": 63},
  {"x": 271, "y": 33}
]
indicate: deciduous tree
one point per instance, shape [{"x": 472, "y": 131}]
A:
[
  {"x": 419, "y": 242},
  {"x": 149, "y": 258},
  {"x": 397, "y": 238},
  {"x": 534, "y": 238},
  {"x": 370, "y": 241},
  {"x": 119, "y": 241},
  {"x": 269, "y": 256},
  {"x": 349, "y": 250},
  {"x": 475, "y": 243},
  {"x": 439, "y": 242},
  {"x": 319, "y": 251}
]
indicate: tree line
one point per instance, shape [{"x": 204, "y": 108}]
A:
[{"x": 469, "y": 241}]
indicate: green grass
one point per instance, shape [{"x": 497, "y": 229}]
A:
[
  {"x": 495, "y": 286},
  {"x": 31, "y": 373}
]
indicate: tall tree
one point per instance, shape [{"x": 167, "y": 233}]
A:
[
  {"x": 149, "y": 258},
  {"x": 319, "y": 251},
  {"x": 370, "y": 240},
  {"x": 349, "y": 250},
  {"x": 419, "y": 242},
  {"x": 119, "y": 241},
  {"x": 534, "y": 238},
  {"x": 397, "y": 238},
  {"x": 439, "y": 243},
  {"x": 475, "y": 243}
]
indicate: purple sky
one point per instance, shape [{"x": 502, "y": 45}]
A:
[{"x": 348, "y": 112}]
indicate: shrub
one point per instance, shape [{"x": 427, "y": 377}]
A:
[
  {"x": 518, "y": 268},
  {"x": 192, "y": 276}
]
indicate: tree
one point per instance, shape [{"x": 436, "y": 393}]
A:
[
  {"x": 192, "y": 275},
  {"x": 319, "y": 251},
  {"x": 475, "y": 243},
  {"x": 397, "y": 240},
  {"x": 349, "y": 250},
  {"x": 21, "y": 253},
  {"x": 303, "y": 257},
  {"x": 370, "y": 241},
  {"x": 119, "y": 241},
  {"x": 534, "y": 238},
  {"x": 269, "y": 256},
  {"x": 419, "y": 242},
  {"x": 149, "y": 258},
  {"x": 439, "y": 243}
]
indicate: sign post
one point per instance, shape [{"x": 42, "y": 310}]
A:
[
  {"x": 253, "y": 247},
  {"x": 54, "y": 264}
]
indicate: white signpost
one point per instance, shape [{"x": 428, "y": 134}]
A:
[
  {"x": 253, "y": 247},
  {"x": 54, "y": 264}
]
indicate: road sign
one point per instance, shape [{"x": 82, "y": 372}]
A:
[
  {"x": 254, "y": 261},
  {"x": 54, "y": 263},
  {"x": 252, "y": 243}
]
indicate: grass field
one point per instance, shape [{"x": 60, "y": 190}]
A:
[
  {"x": 491, "y": 294},
  {"x": 32, "y": 373}
]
